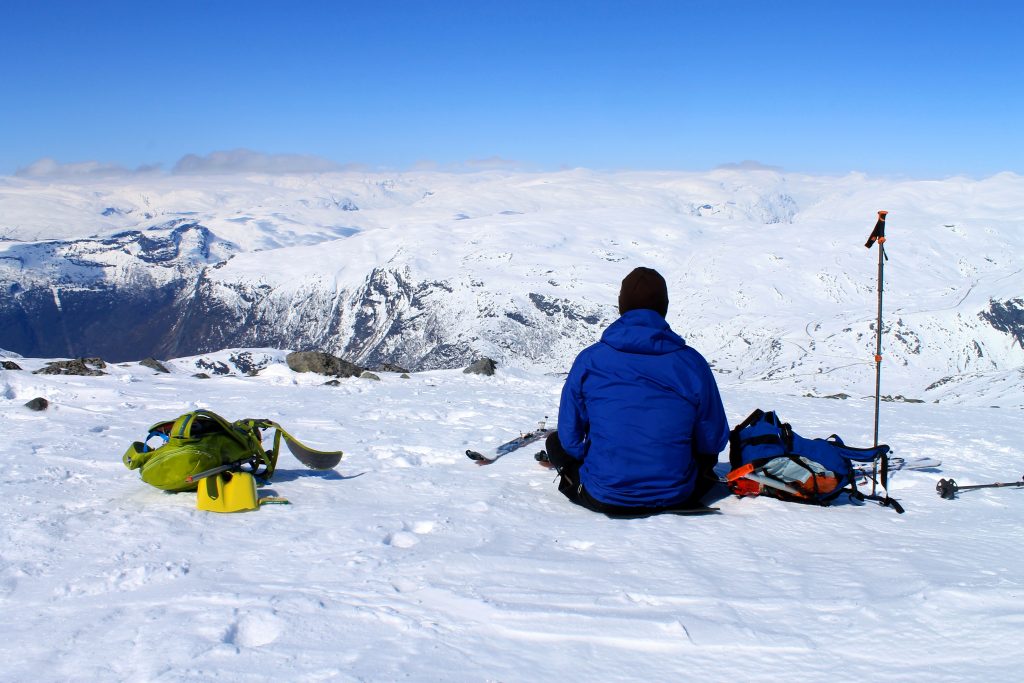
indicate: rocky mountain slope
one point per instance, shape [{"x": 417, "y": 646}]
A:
[{"x": 767, "y": 272}]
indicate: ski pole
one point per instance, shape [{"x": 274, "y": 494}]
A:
[
  {"x": 948, "y": 488},
  {"x": 878, "y": 235}
]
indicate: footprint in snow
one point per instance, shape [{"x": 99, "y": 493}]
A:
[
  {"x": 125, "y": 578},
  {"x": 409, "y": 534},
  {"x": 581, "y": 545}
]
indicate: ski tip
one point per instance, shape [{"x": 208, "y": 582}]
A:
[
  {"x": 474, "y": 455},
  {"x": 313, "y": 459}
]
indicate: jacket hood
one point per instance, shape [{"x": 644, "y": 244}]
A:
[{"x": 642, "y": 331}]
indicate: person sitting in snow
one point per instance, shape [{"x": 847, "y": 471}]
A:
[{"x": 641, "y": 422}]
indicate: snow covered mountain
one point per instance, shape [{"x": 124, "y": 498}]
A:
[
  {"x": 767, "y": 272},
  {"x": 408, "y": 561}
]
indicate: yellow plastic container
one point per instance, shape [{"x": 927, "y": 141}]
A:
[{"x": 228, "y": 492}]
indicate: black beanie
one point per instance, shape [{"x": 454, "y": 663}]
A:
[{"x": 644, "y": 288}]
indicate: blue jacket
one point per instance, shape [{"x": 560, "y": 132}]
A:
[{"x": 636, "y": 407}]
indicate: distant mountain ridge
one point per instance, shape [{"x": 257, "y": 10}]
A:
[{"x": 767, "y": 272}]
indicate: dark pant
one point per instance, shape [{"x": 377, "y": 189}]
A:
[{"x": 570, "y": 485}]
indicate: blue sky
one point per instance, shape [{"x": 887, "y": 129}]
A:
[{"x": 922, "y": 89}]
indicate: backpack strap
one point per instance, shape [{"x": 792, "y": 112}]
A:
[
  {"x": 250, "y": 432},
  {"x": 762, "y": 440},
  {"x": 797, "y": 460}
]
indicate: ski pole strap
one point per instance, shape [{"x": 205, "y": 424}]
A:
[
  {"x": 894, "y": 504},
  {"x": 884, "y": 501}
]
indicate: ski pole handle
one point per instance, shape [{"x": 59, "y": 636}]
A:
[
  {"x": 947, "y": 488},
  {"x": 878, "y": 234}
]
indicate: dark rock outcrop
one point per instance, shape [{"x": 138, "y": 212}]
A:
[
  {"x": 154, "y": 364},
  {"x": 390, "y": 367},
  {"x": 1006, "y": 316},
  {"x": 38, "y": 404},
  {"x": 322, "y": 363},
  {"x": 483, "y": 366},
  {"x": 77, "y": 366}
]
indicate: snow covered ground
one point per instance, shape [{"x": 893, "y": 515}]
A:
[{"x": 411, "y": 563}]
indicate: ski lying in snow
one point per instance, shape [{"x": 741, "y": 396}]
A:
[
  {"x": 682, "y": 512},
  {"x": 310, "y": 457},
  {"x": 313, "y": 459},
  {"x": 896, "y": 464},
  {"x": 504, "y": 449}
]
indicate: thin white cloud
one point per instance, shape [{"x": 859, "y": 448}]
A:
[
  {"x": 425, "y": 165},
  {"x": 241, "y": 161},
  {"x": 748, "y": 165},
  {"x": 248, "y": 161},
  {"x": 48, "y": 168},
  {"x": 493, "y": 163}
]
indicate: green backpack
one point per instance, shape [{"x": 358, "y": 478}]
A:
[{"x": 200, "y": 441}]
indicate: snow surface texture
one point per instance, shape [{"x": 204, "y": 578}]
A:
[
  {"x": 767, "y": 272},
  {"x": 411, "y": 563}
]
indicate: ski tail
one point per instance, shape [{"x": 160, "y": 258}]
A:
[
  {"x": 897, "y": 463},
  {"x": 515, "y": 444}
]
